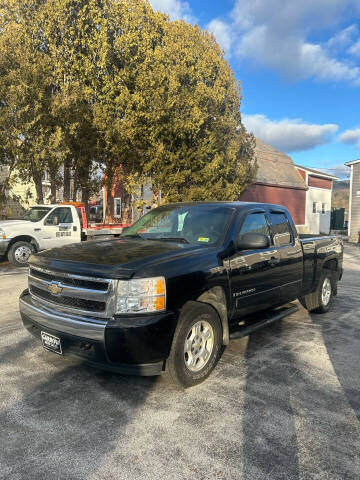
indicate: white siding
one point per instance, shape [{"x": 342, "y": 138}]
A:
[
  {"x": 318, "y": 222},
  {"x": 354, "y": 223}
]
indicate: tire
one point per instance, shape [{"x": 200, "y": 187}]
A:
[
  {"x": 197, "y": 345},
  {"x": 319, "y": 302},
  {"x": 325, "y": 292},
  {"x": 19, "y": 253}
]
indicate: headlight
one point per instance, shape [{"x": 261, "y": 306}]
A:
[
  {"x": 2, "y": 234},
  {"x": 143, "y": 295}
]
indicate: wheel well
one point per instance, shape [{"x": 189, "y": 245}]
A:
[
  {"x": 24, "y": 238},
  {"x": 331, "y": 264},
  {"x": 216, "y": 298}
]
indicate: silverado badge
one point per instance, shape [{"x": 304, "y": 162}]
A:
[{"x": 54, "y": 288}]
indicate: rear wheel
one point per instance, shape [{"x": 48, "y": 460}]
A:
[
  {"x": 321, "y": 300},
  {"x": 19, "y": 253},
  {"x": 196, "y": 345},
  {"x": 325, "y": 293}
]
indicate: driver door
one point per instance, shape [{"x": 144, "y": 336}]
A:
[
  {"x": 254, "y": 274},
  {"x": 60, "y": 228}
]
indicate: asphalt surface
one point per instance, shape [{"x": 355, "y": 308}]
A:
[{"x": 283, "y": 403}]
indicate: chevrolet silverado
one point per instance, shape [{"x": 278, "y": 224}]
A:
[{"x": 168, "y": 295}]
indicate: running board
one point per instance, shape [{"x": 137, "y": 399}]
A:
[{"x": 270, "y": 317}]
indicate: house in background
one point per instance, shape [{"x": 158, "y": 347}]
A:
[
  {"x": 318, "y": 199},
  {"x": 18, "y": 197},
  {"x": 278, "y": 181},
  {"x": 354, "y": 202},
  {"x": 304, "y": 191}
]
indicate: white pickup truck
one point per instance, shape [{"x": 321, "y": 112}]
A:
[{"x": 48, "y": 226}]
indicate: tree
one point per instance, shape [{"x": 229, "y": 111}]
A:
[
  {"x": 25, "y": 118},
  {"x": 199, "y": 148},
  {"x": 108, "y": 84}
]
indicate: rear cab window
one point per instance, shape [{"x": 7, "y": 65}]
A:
[{"x": 281, "y": 230}]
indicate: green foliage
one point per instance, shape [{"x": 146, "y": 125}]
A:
[
  {"x": 199, "y": 148},
  {"x": 89, "y": 84}
]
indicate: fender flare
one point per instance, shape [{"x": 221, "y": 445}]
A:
[
  {"x": 216, "y": 297},
  {"x": 24, "y": 238}
]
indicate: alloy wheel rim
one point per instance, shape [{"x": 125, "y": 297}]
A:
[
  {"x": 326, "y": 291},
  {"x": 199, "y": 344},
  {"x": 22, "y": 254}
]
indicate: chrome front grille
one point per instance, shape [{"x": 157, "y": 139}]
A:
[
  {"x": 72, "y": 293},
  {"x": 74, "y": 281}
]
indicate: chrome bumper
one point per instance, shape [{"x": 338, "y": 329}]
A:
[{"x": 92, "y": 329}]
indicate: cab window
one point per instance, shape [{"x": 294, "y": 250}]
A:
[
  {"x": 254, "y": 223},
  {"x": 59, "y": 215},
  {"x": 281, "y": 229}
]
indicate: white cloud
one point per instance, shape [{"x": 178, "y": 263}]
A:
[
  {"x": 351, "y": 137},
  {"x": 174, "y": 8},
  {"x": 341, "y": 171},
  {"x": 289, "y": 135},
  {"x": 343, "y": 38},
  {"x": 222, "y": 32},
  {"x": 276, "y": 34},
  {"x": 355, "y": 49}
]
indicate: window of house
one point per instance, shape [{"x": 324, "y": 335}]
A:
[
  {"x": 254, "y": 223},
  {"x": 281, "y": 229},
  {"x": 314, "y": 207},
  {"x": 117, "y": 207},
  {"x": 323, "y": 208}
]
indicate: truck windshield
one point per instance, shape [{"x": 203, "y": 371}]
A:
[
  {"x": 35, "y": 213},
  {"x": 194, "y": 224}
]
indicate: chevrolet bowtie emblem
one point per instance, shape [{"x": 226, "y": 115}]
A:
[{"x": 55, "y": 288}]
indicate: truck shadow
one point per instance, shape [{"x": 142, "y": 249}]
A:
[
  {"x": 64, "y": 420},
  {"x": 341, "y": 334},
  {"x": 300, "y": 396},
  {"x": 270, "y": 449}
]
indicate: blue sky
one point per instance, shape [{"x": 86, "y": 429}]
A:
[{"x": 299, "y": 64}]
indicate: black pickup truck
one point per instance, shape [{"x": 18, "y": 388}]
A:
[{"x": 179, "y": 283}]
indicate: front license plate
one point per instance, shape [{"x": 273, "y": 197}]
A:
[{"x": 50, "y": 342}]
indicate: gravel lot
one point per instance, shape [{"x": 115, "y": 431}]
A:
[{"x": 283, "y": 403}]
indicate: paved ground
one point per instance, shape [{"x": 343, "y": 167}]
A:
[{"x": 283, "y": 403}]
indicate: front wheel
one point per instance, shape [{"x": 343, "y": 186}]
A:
[
  {"x": 196, "y": 346},
  {"x": 19, "y": 253}
]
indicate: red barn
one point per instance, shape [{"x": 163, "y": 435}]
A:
[{"x": 278, "y": 181}]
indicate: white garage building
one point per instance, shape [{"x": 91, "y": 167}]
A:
[{"x": 318, "y": 199}]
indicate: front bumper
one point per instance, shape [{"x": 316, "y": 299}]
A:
[
  {"x": 130, "y": 345},
  {"x": 4, "y": 245}
]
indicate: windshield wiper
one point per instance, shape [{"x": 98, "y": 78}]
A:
[{"x": 174, "y": 239}]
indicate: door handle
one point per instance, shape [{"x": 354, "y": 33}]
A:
[
  {"x": 274, "y": 261},
  {"x": 37, "y": 229}
]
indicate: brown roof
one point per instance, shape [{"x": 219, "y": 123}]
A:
[{"x": 276, "y": 168}]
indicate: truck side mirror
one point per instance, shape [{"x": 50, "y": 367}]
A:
[{"x": 253, "y": 241}]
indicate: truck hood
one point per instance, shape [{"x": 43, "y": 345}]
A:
[
  {"x": 12, "y": 223},
  {"x": 118, "y": 258}
]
